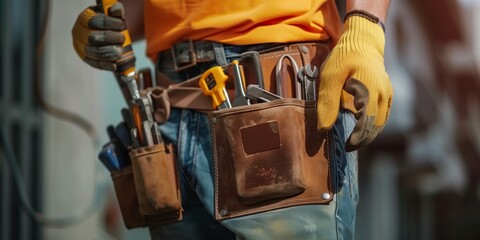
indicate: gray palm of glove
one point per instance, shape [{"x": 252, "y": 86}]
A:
[{"x": 97, "y": 38}]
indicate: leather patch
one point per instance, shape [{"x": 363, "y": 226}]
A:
[{"x": 260, "y": 138}]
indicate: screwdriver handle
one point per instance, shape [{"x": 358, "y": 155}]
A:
[{"x": 126, "y": 64}]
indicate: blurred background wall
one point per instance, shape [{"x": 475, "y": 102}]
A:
[
  {"x": 418, "y": 180},
  {"x": 58, "y": 160}
]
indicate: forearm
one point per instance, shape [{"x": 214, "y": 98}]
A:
[
  {"x": 134, "y": 18},
  {"x": 378, "y": 8}
]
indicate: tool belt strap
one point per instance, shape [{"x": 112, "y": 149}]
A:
[
  {"x": 167, "y": 94},
  {"x": 187, "y": 94}
]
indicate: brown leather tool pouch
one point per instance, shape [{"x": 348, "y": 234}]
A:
[
  {"x": 148, "y": 192},
  {"x": 156, "y": 179},
  {"x": 127, "y": 197},
  {"x": 269, "y": 156}
]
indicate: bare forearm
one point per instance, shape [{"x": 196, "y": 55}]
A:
[
  {"x": 134, "y": 18},
  {"x": 378, "y": 8}
]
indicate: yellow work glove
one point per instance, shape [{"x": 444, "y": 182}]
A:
[
  {"x": 97, "y": 38},
  {"x": 356, "y": 66}
]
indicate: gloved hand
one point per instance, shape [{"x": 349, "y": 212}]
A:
[
  {"x": 97, "y": 38},
  {"x": 356, "y": 66}
]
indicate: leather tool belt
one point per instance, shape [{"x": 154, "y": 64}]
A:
[
  {"x": 270, "y": 152},
  {"x": 259, "y": 67},
  {"x": 267, "y": 155}
]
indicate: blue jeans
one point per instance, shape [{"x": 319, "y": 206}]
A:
[{"x": 190, "y": 132}]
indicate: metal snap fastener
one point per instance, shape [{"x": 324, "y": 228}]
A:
[
  {"x": 326, "y": 196},
  {"x": 223, "y": 212},
  {"x": 304, "y": 49}
]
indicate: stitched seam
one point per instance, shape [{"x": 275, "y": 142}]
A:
[
  {"x": 345, "y": 136},
  {"x": 215, "y": 162},
  {"x": 179, "y": 150},
  {"x": 279, "y": 55},
  {"x": 337, "y": 176},
  {"x": 270, "y": 209},
  {"x": 195, "y": 147},
  {"x": 328, "y": 162}
]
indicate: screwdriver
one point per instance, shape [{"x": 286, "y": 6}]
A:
[
  {"x": 212, "y": 83},
  {"x": 258, "y": 93},
  {"x": 126, "y": 71},
  {"x": 126, "y": 64},
  {"x": 240, "y": 98}
]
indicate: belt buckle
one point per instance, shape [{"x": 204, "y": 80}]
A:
[{"x": 191, "y": 52}]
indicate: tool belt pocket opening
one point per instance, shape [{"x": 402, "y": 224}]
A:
[
  {"x": 148, "y": 191},
  {"x": 269, "y": 156}
]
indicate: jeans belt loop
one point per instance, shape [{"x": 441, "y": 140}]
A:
[
  {"x": 219, "y": 54},
  {"x": 191, "y": 52}
]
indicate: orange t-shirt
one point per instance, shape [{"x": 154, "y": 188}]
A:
[{"x": 238, "y": 22}]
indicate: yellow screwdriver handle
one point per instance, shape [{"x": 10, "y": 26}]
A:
[
  {"x": 212, "y": 83},
  {"x": 126, "y": 64}
]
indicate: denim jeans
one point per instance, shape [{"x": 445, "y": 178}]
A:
[{"x": 189, "y": 131}]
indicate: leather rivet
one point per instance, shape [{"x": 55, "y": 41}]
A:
[
  {"x": 223, "y": 212},
  {"x": 326, "y": 196},
  {"x": 304, "y": 49}
]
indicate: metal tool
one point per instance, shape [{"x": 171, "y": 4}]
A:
[
  {"x": 140, "y": 107},
  {"x": 258, "y": 93},
  {"x": 147, "y": 131},
  {"x": 146, "y": 108},
  {"x": 212, "y": 83},
  {"x": 143, "y": 117},
  {"x": 254, "y": 57},
  {"x": 157, "y": 136},
  {"x": 307, "y": 77},
  {"x": 279, "y": 79},
  {"x": 240, "y": 98},
  {"x": 135, "y": 109},
  {"x": 131, "y": 83}
]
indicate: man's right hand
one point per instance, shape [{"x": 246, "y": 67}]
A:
[{"x": 97, "y": 38}]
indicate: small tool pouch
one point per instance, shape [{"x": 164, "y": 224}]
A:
[
  {"x": 127, "y": 197},
  {"x": 156, "y": 181},
  {"x": 148, "y": 191},
  {"x": 269, "y": 156}
]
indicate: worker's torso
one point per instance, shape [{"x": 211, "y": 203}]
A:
[{"x": 238, "y": 21}]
